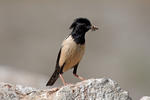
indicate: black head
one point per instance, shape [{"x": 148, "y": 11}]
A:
[
  {"x": 81, "y": 24},
  {"x": 79, "y": 27}
]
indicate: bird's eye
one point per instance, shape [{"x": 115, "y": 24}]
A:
[{"x": 88, "y": 27}]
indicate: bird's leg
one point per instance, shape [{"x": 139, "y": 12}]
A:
[
  {"x": 62, "y": 79},
  {"x": 75, "y": 73}
]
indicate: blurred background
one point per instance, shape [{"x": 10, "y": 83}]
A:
[{"x": 31, "y": 32}]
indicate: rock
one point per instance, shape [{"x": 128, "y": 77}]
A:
[
  {"x": 145, "y": 98},
  {"x": 92, "y": 89}
]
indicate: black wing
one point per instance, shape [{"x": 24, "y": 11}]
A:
[{"x": 55, "y": 75}]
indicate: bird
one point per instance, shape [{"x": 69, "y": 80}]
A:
[{"x": 72, "y": 50}]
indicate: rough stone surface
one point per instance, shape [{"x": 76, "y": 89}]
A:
[
  {"x": 145, "y": 98},
  {"x": 92, "y": 89}
]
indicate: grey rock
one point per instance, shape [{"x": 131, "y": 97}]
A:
[
  {"x": 92, "y": 89},
  {"x": 145, "y": 98}
]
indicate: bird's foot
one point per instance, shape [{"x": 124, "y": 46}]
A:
[
  {"x": 79, "y": 77},
  {"x": 67, "y": 84}
]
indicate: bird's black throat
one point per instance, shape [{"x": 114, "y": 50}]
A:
[{"x": 78, "y": 37}]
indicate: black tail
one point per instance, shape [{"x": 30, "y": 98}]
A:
[{"x": 53, "y": 78}]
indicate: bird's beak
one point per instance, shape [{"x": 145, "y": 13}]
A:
[{"x": 94, "y": 28}]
